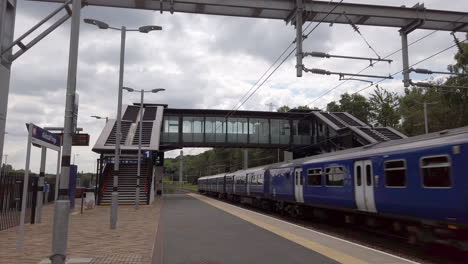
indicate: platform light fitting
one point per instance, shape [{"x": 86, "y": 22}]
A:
[
  {"x": 146, "y": 29},
  {"x": 97, "y": 23}
]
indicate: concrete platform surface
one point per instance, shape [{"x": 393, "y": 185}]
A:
[
  {"x": 196, "y": 229},
  {"x": 90, "y": 239}
]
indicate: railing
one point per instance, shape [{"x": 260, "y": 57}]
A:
[
  {"x": 11, "y": 188},
  {"x": 149, "y": 178},
  {"x": 107, "y": 172}
]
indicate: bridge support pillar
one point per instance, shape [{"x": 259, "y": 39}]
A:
[
  {"x": 159, "y": 179},
  {"x": 246, "y": 159},
  {"x": 181, "y": 167}
]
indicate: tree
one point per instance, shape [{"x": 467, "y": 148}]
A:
[
  {"x": 303, "y": 107},
  {"x": 384, "y": 108},
  {"x": 283, "y": 109},
  {"x": 355, "y": 104},
  {"x": 451, "y": 111},
  {"x": 333, "y": 107}
]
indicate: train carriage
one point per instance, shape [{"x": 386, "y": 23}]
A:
[{"x": 419, "y": 182}]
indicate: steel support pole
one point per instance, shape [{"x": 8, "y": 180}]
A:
[
  {"x": 137, "y": 197},
  {"x": 7, "y": 26},
  {"x": 181, "y": 167},
  {"x": 62, "y": 205},
  {"x": 426, "y": 126},
  {"x": 404, "y": 52},
  {"x": 299, "y": 22},
  {"x": 118, "y": 135},
  {"x": 20, "y": 245},
  {"x": 246, "y": 159},
  {"x": 40, "y": 189},
  {"x": 57, "y": 174}
]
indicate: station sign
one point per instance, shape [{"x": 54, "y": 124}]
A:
[
  {"x": 125, "y": 160},
  {"x": 43, "y": 138},
  {"x": 78, "y": 139}
]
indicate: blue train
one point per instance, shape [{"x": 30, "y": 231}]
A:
[{"x": 415, "y": 186}]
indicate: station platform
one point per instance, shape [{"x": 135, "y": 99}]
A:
[{"x": 196, "y": 229}]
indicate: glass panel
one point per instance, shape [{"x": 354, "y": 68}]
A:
[
  {"x": 435, "y": 161},
  {"x": 334, "y": 176},
  {"x": 436, "y": 172},
  {"x": 170, "y": 129},
  {"x": 259, "y": 131},
  {"x": 302, "y": 132},
  {"x": 359, "y": 176},
  {"x": 192, "y": 129},
  {"x": 394, "y": 164},
  {"x": 314, "y": 177},
  {"x": 395, "y": 173},
  {"x": 237, "y": 129},
  {"x": 285, "y": 132},
  {"x": 368, "y": 175},
  {"x": 275, "y": 131},
  {"x": 215, "y": 129}
]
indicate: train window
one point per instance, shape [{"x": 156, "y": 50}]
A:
[
  {"x": 334, "y": 176},
  {"x": 436, "y": 171},
  {"x": 260, "y": 179},
  {"x": 368, "y": 175},
  {"x": 252, "y": 179},
  {"x": 314, "y": 177},
  {"x": 359, "y": 176},
  {"x": 395, "y": 173}
]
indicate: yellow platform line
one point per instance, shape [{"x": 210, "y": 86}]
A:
[
  {"x": 317, "y": 247},
  {"x": 122, "y": 204}
]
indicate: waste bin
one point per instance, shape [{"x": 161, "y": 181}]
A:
[{"x": 90, "y": 199}]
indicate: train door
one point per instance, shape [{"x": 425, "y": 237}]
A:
[
  {"x": 364, "y": 186},
  {"x": 298, "y": 185},
  {"x": 248, "y": 179},
  {"x": 234, "y": 184}
]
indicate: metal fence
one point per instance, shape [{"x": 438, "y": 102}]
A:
[
  {"x": 11, "y": 189},
  {"x": 11, "y": 193}
]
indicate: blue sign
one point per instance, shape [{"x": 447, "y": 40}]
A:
[
  {"x": 125, "y": 161},
  {"x": 44, "y": 138}
]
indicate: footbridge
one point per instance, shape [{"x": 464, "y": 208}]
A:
[{"x": 307, "y": 132}]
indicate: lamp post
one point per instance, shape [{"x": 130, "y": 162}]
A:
[
  {"x": 142, "y": 93},
  {"x": 100, "y": 117},
  {"x": 123, "y": 30},
  {"x": 426, "y": 126}
]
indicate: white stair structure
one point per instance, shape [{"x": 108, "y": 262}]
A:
[{"x": 151, "y": 121}]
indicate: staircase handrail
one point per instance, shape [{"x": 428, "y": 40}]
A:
[
  {"x": 106, "y": 179},
  {"x": 148, "y": 175}
]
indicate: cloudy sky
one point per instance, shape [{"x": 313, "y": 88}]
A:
[{"x": 202, "y": 61}]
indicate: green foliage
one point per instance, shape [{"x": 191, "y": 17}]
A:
[
  {"x": 303, "y": 107},
  {"x": 218, "y": 160},
  {"x": 355, "y": 104},
  {"x": 451, "y": 110},
  {"x": 283, "y": 109},
  {"x": 384, "y": 108}
]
